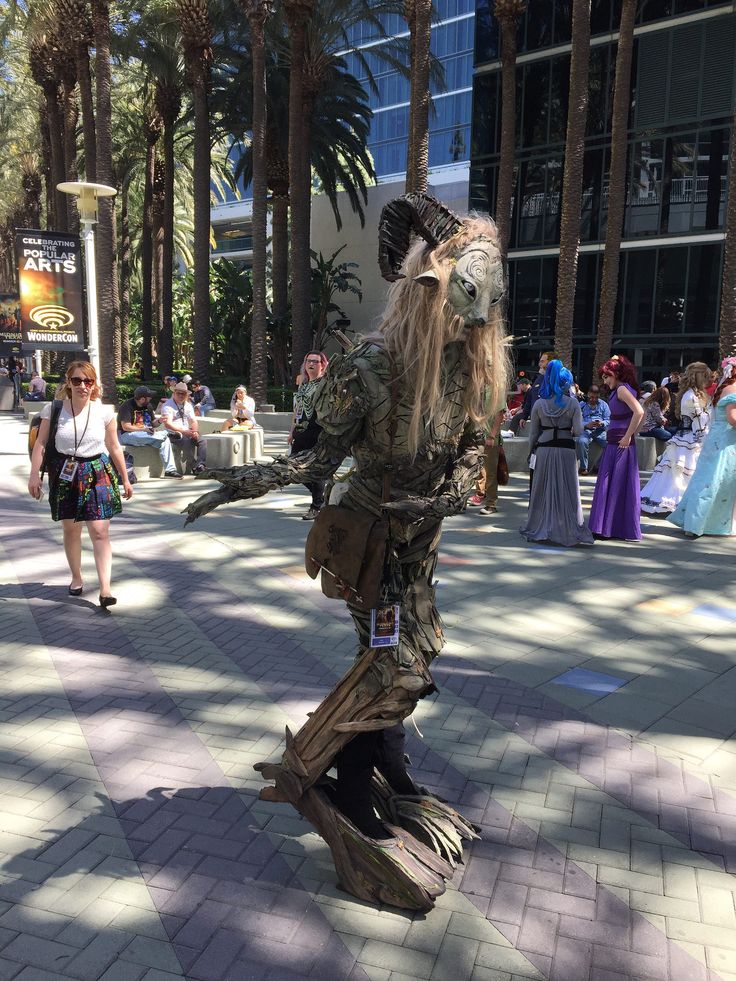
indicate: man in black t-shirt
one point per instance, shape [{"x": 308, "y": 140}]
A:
[{"x": 137, "y": 427}]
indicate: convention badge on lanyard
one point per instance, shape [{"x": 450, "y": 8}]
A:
[
  {"x": 68, "y": 471},
  {"x": 385, "y": 626}
]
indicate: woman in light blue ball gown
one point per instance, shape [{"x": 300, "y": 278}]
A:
[{"x": 708, "y": 506}]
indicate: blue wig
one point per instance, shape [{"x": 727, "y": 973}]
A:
[{"x": 556, "y": 383}]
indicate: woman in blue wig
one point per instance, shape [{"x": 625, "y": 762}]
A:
[{"x": 555, "y": 511}]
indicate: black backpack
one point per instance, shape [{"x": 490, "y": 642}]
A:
[{"x": 50, "y": 451}]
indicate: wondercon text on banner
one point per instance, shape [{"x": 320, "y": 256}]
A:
[{"x": 50, "y": 284}]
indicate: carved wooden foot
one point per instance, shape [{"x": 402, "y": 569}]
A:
[{"x": 424, "y": 836}]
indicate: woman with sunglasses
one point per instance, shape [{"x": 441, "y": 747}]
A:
[
  {"x": 305, "y": 430},
  {"x": 83, "y": 485}
]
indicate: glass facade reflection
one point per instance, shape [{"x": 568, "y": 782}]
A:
[{"x": 682, "y": 93}]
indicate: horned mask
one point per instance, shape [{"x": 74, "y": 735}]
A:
[{"x": 476, "y": 283}]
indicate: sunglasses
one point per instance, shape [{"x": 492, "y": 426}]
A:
[
  {"x": 313, "y": 363},
  {"x": 88, "y": 382}
]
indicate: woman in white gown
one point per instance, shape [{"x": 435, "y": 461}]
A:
[{"x": 670, "y": 477}]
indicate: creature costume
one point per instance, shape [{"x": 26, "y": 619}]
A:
[{"x": 395, "y": 495}]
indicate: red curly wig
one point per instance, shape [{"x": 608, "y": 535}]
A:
[{"x": 622, "y": 369}]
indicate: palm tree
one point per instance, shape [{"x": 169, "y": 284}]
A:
[
  {"x": 41, "y": 63},
  {"x": 106, "y": 237},
  {"x": 507, "y": 14},
  {"x": 196, "y": 31},
  {"x": 298, "y": 13},
  {"x": 418, "y": 14},
  {"x": 727, "y": 339},
  {"x": 152, "y": 132},
  {"x": 258, "y": 12},
  {"x": 74, "y": 17},
  {"x": 572, "y": 181},
  {"x": 617, "y": 182}
]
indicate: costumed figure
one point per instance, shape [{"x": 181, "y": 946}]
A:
[
  {"x": 409, "y": 404},
  {"x": 555, "y": 510},
  {"x": 708, "y": 506},
  {"x": 664, "y": 489},
  {"x": 614, "y": 512}
]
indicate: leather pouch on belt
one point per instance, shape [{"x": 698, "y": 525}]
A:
[{"x": 349, "y": 547}]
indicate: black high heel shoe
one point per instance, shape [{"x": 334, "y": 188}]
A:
[
  {"x": 106, "y": 601},
  {"x": 76, "y": 590}
]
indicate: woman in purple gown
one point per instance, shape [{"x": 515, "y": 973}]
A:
[{"x": 616, "y": 500}]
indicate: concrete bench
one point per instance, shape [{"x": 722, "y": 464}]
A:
[
  {"x": 31, "y": 408},
  {"x": 233, "y": 449},
  {"x": 147, "y": 462},
  {"x": 647, "y": 452}
]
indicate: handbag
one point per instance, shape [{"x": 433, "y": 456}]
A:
[{"x": 502, "y": 471}]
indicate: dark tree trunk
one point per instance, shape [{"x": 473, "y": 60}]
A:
[
  {"x": 617, "y": 183},
  {"x": 420, "y": 28},
  {"x": 56, "y": 141},
  {"x": 509, "y": 23},
  {"x": 201, "y": 306},
  {"x": 165, "y": 343},
  {"x": 147, "y": 259},
  {"x": 125, "y": 261},
  {"x": 300, "y": 186},
  {"x": 167, "y": 249},
  {"x": 107, "y": 290},
  {"x": 572, "y": 185},
  {"x": 257, "y": 14},
  {"x": 88, "y": 112},
  {"x": 71, "y": 117}
]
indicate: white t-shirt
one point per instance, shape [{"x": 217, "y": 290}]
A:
[
  {"x": 183, "y": 415},
  {"x": 92, "y": 425}
]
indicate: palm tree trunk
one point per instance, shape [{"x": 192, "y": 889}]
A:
[
  {"x": 105, "y": 237},
  {"x": 164, "y": 337},
  {"x": 299, "y": 184},
  {"x": 125, "y": 257},
  {"x": 280, "y": 253},
  {"x": 88, "y": 112},
  {"x": 46, "y": 163},
  {"x": 507, "y": 14},
  {"x": 201, "y": 305},
  {"x": 617, "y": 183},
  {"x": 56, "y": 138},
  {"x": 70, "y": 119},
  {"x": 147, "y": 260},
  {"x": 166, "y": 327},
  {"x": 727, "y": 339},
  {"x": 257, "y": 13},
  {"x": 419, "y": 17},
  {"x": 572, "y": 182}
]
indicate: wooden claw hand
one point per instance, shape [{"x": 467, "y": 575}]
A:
[{"x": 238, "y": 483}]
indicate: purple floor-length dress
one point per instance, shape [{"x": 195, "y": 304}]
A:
[{"x": 616, "y": 500}]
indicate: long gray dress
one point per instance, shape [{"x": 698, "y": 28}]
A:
[{"x": 555, "y": 512}]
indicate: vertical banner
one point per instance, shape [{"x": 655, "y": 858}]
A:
[
  {"x": 9, "y": 325},
  {"x": 50, "y": 284}
]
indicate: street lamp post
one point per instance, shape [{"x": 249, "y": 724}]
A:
[{"x": 88, "y": 194}]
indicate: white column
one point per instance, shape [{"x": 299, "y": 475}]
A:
[{"x": 93, "y": 345}]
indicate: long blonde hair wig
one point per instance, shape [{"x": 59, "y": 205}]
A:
[{"x": 419, "y": 322}]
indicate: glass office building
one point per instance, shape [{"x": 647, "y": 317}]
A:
[
  {"x": 682, "y": 99},
  {"x": 449, "y": 136}
]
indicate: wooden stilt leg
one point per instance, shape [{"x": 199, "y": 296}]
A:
[{"x": 406, "y": 870}]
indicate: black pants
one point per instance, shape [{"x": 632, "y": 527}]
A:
[{"x": 305, "y": 439}]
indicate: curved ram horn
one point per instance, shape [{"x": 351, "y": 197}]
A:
[{"x": 418, "y": 213}]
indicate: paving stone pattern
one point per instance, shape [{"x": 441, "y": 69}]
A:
[{"x": 133, "y": 842}]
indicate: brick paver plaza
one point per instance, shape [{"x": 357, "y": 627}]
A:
[{"x": 585, "y": 721}]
